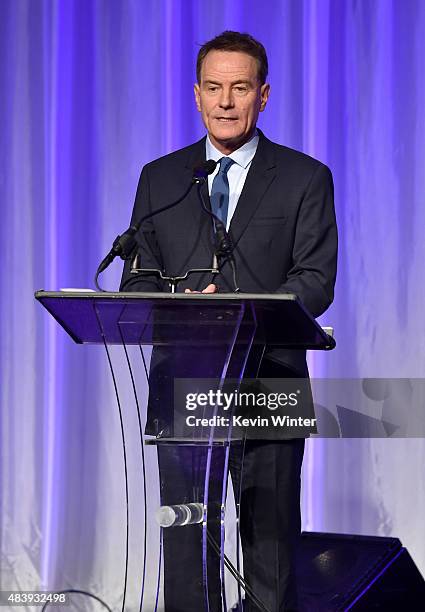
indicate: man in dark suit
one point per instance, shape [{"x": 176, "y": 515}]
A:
[{"x": 278, "y": 208}]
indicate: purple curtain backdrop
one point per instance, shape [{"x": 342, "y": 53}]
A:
[{"x": 90, "y": 90}]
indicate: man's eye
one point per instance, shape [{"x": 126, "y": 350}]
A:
[
  {"x": 212, "y": 88},
  {"x": 240, "y": 89}
]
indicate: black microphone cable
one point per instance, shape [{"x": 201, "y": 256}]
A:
[{"x": 77, "y": 592}]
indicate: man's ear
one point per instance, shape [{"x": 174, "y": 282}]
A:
[
  {"x": 264, "y": 96},
  {"x": 197, "y": 92}
]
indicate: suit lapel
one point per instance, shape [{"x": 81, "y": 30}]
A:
[{"x": 259, "y": 177}]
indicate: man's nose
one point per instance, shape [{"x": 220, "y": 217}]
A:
[{"x": 226, "y": 98}]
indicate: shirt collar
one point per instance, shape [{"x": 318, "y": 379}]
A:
[{"x": 242, "y": 156}]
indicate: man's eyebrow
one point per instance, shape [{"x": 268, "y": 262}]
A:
[{"x": 237, "y": 82}]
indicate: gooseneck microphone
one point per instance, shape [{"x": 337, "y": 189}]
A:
[
  {"x": 224, "y": 246},
  {"x": 201, "y": 172},
  {"x": 125, "y": 243},
  {"x": 223, "y": 243}
]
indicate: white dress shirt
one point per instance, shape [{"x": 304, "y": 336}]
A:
[{"x": 237, "y": 172}]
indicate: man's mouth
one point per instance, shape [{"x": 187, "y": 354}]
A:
[{"x": 226, "y": 119}]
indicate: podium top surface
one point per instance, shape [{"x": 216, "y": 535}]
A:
[{"x": 183, "y": 319}]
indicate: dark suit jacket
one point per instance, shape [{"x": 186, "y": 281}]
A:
[{"x": 283, "y": 229}]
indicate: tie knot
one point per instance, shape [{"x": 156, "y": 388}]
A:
[{"x": 225, "y": 163}]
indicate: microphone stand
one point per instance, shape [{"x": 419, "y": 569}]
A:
[
  {"x": 223, "y": 252},
  {"x": 173, "y": 281},
  {"x": 125, "y": 244}
]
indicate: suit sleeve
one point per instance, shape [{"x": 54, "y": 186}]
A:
[
  {"x": 148, "y": 249},
  {"x": 314, "y": 256}
]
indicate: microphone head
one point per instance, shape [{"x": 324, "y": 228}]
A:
[
  {"x": 209, "y": 166},
  {"x": 202, "y": 170}
]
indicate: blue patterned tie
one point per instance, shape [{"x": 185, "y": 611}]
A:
[{"x": 220, "y": 190}]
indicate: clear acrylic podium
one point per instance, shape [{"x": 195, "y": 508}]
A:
[{"x": 216, "y": 337}]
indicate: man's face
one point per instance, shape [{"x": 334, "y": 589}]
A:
[{"x": 230, "y": 97}]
